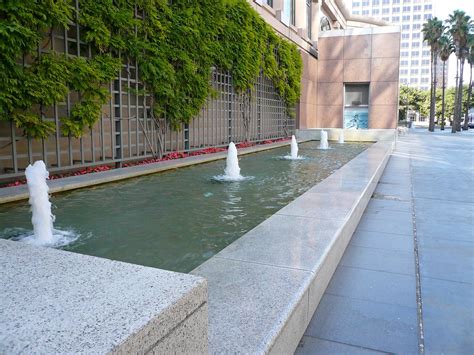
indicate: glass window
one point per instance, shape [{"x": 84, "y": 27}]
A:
[
  {"x": 309, "y": 17},
  {"x": 288, "y": 15},
  {"x": 415, "y": 53},
  {"x": 428, "y": 16},
  {"x": 386, "y": 11},
  {"x": 406, "y": 18},
  {"x": 425, "y": 71},
  {"x": 396, "y": 2},
  {"x": 417, "y": 8},
  {"x": 405, "y": 45},
  {"x": 406, "y": 8},
  {"x": 356, "y": 12},
  {"x": 375, "y": 2},
  {"x": 355, "y": 4},
  {"x": 426, "y": 53},
  {"x": 415, "y": 62},
  {"x": 396, "y": 10},
  {"x": 404, "y": 63},
  {"x": 425, "y": 80},
  {"x": 375, "y": 11},
  {"x": 404, "y": 72},
  {"x": 416, "y": 35},
  {"x": 413, "y": 80},
  {"x": 356, "y": 95},
  {"x": 395, "y": 18},
  {"x": 365, "y": 3},
  {"x": 425, "y": 62},
  {"x": 386, "y": 2},
  {"x": 404, "y": 54},
  {"x": 416, "y": 26},
  {"x": 405, "y": 35},
  {"x": 404, "y": 81},
  {"x": 365, "y": 12},
  {"x": 428, "y": 7},
  {"x": 406, "y": 1},
  {"x": 415, "y": 44},
  {"x": 269, "y": 2},
  {"x": 416, "y": 17},
  {"x": 405, "y": 27},
  {"x": 414, "y": 71}
]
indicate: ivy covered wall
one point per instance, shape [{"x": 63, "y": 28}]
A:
[{"x": 175, "y": 43}]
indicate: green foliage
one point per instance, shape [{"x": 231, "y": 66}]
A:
[
  {"x": 175, "y": 44},
  {"x": 413, "y": 99}
]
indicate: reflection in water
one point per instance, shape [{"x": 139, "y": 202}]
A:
[{"x": 178, "y": 219}]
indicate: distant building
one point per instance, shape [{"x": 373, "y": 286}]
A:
[{"x": 415, "y": 68}]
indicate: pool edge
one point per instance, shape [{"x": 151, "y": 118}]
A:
[{"x": 280, "y": 333}]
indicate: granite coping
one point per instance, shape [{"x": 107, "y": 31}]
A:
[
  {"x": 18, "y": 193},
  {"x": 265, "y": 287},
  {"x": 350, "y": 134},
  {"x": 55, "y": 301}
]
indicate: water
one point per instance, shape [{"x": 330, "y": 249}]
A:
[
  {"x": 232, "y": 169},
  {"x": 294, "y": 148},
  {"x": 341, "y": 137},
  {"x": 42, "y": 219},
  {"x": 323, "y": 144},
  {"x": 178, "y": 219}
]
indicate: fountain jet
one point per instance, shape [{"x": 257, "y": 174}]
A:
[
  {"x": 42, "y": 218},
  {"x": 323, "y": 144},
  {"x": 294, "y": 148},
  {"x": 341, "y": 136},
  {"x": 232, "y": 169}
]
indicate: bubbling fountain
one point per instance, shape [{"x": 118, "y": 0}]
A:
[
  {"x": 341, "y": 137},
  {"x": 42, "y": 218},
  {"x": 232, "y": 169},
  {"x": 294, "y": 148},
  {"x": 323, "y": 144}
]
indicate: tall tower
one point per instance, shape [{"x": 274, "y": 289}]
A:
[{"x": 415, "y": 69}]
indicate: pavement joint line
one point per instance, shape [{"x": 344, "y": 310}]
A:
[
  {"x": 442, "y": 199},
  {"x": 365, "y": 268},
  {"x": 419, "y": 299},
  {"x": 348, "y": 344},
  {"x": 374, "y": 248},
  {"x": 453, "y": 281},
  {"x": 362, "y": 229},
  {"x": 368, "y": 300}
]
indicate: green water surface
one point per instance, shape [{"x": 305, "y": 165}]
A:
[{"x": 178, "y": 219}]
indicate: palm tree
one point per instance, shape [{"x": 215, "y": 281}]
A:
[
  {"x": 460, "y": 25},
  {"x": 470, "y": 60},
  {"x": 432, "y": 31},
  {"x": 445, "y": 50}
]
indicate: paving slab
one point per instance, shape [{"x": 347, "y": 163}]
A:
[
  {"x": 371, "y": 285},
  {"x": 391, "y": 261},
  {"x": 387, "y": 241},
  {"x": 378, "y": 326},
  {"x": 315, "y": 346},
  {"x": 448, "y": 316},
  {"x": 399, "y": 224}
]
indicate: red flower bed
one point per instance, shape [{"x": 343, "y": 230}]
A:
[{"x": 169, "y": 156}]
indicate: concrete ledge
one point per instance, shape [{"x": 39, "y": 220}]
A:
[
  {"x": 350, "y": 135},
  {"x": 17, "y": 193},
  {"x": 265, "y": 287},
  {"x": 60, "y": 302}
]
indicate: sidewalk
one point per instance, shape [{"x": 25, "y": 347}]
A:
[{"x": 405, "y": 282}]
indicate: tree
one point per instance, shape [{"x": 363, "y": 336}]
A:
[
  {"x": 445, "y": 50},
  {"x": 412, "y": 99},
  {"x": 432, "y": 31},
  {"x": 460, "y": 25},
  {"x": 470, "y": 60}
]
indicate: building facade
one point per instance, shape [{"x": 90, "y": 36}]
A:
[
  {"x": 415, "y": 67},
  {"x": 351, "y": 63}
]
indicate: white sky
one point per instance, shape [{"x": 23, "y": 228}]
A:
[{"x": 442, "y": 10}]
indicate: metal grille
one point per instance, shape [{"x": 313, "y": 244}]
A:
[{"x": 127, "y": 131}]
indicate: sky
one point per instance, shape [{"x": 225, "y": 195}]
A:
[{"x": 442, "y": 10}]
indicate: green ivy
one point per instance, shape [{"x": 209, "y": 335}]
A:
[{"x": 175, "y": 44}]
